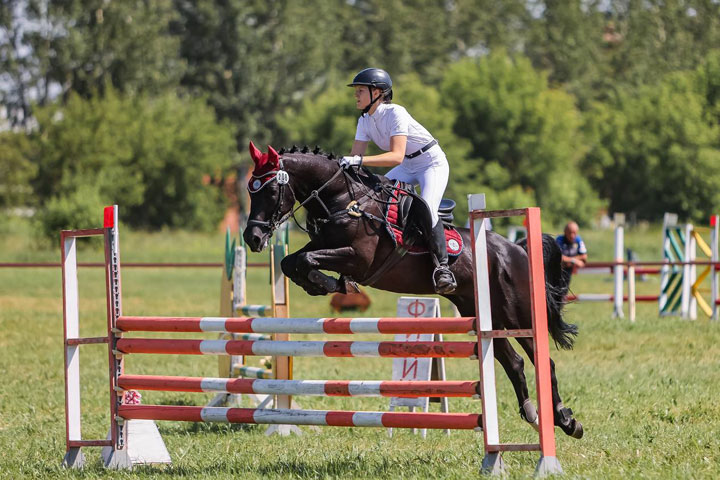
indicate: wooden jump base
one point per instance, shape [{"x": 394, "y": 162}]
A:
[{"x": 124, "y": 417}]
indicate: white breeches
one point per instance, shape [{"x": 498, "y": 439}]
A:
[{"x": 429, "y": 170}]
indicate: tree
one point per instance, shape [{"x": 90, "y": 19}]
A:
[
  {"x": 152, "y": 155},
  {"x": 566, "y": 41},
  {"x": 255, "y": 59},
  {"x": 15, "y": 170},
  {"x": 525, "y": 137},
  {"x": 653, "y": 150}
]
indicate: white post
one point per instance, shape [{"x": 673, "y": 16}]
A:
[
  {"x": 74, "y": 456},
  {"x": 688, "y": 302},
  {"x": 714, "y": 225},
  {"x": 492, "y": 461},
  {"x": 631, "y": 292},
  {"x": 618, "y": 269}
]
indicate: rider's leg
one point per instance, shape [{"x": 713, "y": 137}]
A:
[{"x": 433, "y": 181}]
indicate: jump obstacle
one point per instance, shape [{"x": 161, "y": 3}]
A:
[
  {"x": 680, "y": 285},
  {"x": 233, "y": 302},
  {"x": 125, "y": 431}
]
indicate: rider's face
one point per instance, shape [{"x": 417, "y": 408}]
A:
[{"x": 362, "y": 96}]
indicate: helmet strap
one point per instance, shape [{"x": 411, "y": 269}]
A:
[{"x": 372, "y": 101}]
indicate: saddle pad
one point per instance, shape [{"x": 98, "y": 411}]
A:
[{"x": 453, "y": 240}]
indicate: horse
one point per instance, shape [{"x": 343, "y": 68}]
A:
[{"x": 345, "y": 221}]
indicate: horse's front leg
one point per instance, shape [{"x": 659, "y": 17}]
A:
[
  {"x": 343, "y": 260},
  {"x": 289, "y": 266}
]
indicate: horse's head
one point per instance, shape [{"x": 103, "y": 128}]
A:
[{"x": 270, "y": 197}]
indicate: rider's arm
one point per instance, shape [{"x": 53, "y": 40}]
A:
[
  {"x": 359, "y": 147},
  {"x": 388, "y": 159}
]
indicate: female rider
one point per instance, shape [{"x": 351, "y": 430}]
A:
[{"x": 416, "y": 157}]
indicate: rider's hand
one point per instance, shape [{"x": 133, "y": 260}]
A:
[{"x": 350, "y": 161}]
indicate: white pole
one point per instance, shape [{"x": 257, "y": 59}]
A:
[
  {"x": 631, "y": 292},
  {"x": 714, "y": 224},
  {"x": 74, "y": 456},
  {"x": 484, "y": 321},
  {"x": 688, "y": 301},
  {"x": 619, "y": 250}
]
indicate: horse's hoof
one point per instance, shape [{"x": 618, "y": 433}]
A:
[{"x": 578, "y": 430}]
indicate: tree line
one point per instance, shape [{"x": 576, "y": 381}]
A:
[{"x": 576, "y": 106}]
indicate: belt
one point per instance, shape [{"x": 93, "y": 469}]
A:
[{"x": 423, "y": 149}]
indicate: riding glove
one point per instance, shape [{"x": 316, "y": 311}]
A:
[{"x": 350, "y": 161}]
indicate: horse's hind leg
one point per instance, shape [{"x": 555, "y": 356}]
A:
[
  {"x": 563, "y": 416},
  {"x": 511, "y": 361}
]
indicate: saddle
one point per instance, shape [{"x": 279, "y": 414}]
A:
[{"x": 397, "y": 213}]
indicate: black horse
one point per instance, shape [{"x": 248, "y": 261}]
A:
[{"x": 345, "y": 222}]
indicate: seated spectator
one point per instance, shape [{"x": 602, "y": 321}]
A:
[{"x": 574, "y": 253}]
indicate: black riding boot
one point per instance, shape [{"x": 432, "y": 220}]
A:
[{"x": 443, "y": 278}]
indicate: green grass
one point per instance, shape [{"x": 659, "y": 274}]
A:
[{"x": 645, "y": 392}]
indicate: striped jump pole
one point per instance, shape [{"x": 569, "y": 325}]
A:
[
  {"x": 297, "y": 348},
  {"x": 389, "y": 325},
  {"x": 457, "y": 421},
  {"x": 331, "y": 388}
]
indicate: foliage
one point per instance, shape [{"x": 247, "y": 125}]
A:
[
  {"x": 653, "y": 151},
  {"x": 254, "y": 59},
  {"x": 523, "y": 135},
  {"x": 148, "y": 154},
  {"x": 15, "y": 170}
]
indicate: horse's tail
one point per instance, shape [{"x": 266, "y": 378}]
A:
[{"x": 556, "y": 290}]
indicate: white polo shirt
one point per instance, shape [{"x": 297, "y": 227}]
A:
[{"x": 388, "y": 121}]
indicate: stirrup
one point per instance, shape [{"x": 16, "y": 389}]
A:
[{"x": 450, "y": 286}]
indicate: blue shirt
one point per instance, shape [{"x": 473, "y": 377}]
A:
[{"x": 571, "y": 249}]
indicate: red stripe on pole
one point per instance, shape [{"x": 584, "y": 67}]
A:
[
  {"x": 159, "y": 324},
  {"x": 337, "y": 325},
  {"x": 337, "y": 388},
  {"x": 428, "y": 349},
  {"x": 152, "y": 345},
  {"x": 338, "y": 349},
  {"x": 160, "y": 383},
  {"x": 426, "y": 325},
  {"x": 339, "y": 419},
  {"x": 455, "y": 421},
  {"x": 179, "y": 413},
  {"x": 241, "y": 415},
  {"x": 109, "y": 217},
  {"x": 428, "y": 388}
]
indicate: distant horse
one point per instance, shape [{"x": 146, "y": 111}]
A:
[{"x": 346, "y": 222}]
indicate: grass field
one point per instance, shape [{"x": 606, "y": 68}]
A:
[{"x": 646, "y": 393}]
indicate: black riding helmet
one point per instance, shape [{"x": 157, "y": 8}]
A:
[{"x": 374, "y": 78}]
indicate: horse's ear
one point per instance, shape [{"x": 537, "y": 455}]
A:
[
  {"x": 273, "y": 156},
  {"x": 255, "y": 153}
]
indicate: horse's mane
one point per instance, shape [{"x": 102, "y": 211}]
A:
[{"x": 306, "y": 150}]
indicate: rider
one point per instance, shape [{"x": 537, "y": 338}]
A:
[{"x": 416, "y": 157}]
